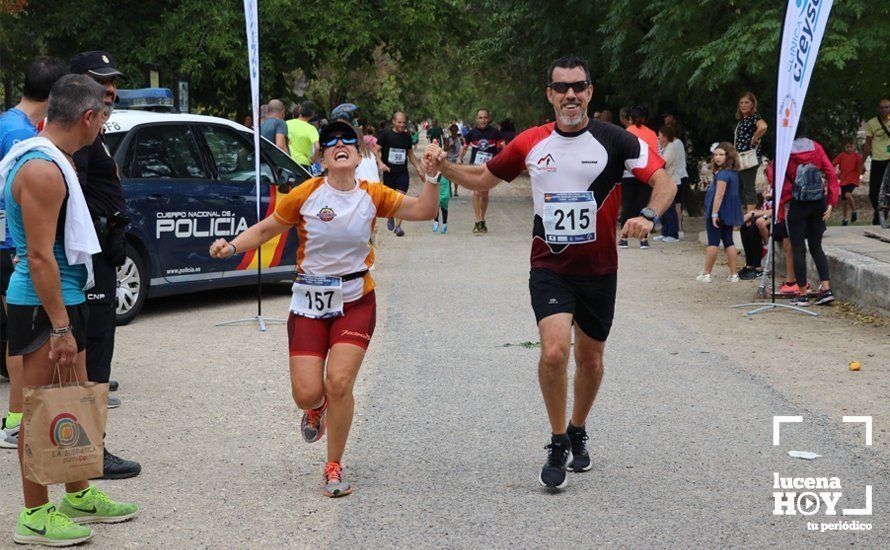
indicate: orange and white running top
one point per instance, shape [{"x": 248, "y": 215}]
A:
[{"x": 335, "y": 228}]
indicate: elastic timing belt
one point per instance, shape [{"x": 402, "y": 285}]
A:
[{"x": 354, "y": 276}]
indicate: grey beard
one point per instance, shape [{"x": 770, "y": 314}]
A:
[{"x": 570, "y": 121}]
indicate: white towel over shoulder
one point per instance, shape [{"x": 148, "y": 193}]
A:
[{"x": 81, "y": 241}]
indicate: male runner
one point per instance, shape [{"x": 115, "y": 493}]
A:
[
  {"x": 574, "y": 165},
  {"x": 435, "y": 133},
  {"x": 484, "y": 141},
  {"x": 396, "y": 151},
  {"x": 18, "y": 124}
]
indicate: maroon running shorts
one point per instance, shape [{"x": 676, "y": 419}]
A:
[{"x": 316, "y": 336}]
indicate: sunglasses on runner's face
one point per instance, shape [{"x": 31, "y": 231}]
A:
[
  {"x": 344, "y": 140},
  {"x": 563, "y": 87}
]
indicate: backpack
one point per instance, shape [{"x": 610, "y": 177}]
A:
[{"x": 808, "y": 184}]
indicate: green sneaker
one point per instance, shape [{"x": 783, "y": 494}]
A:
[
  {"x": 46, "y": 526},
  {"x": 94, "y": 506}
]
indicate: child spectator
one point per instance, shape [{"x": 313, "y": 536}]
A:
[
  {"x": 723, "y": 209},
  {"x": 755, "y": 236},
  {"x": 850, "y": 168}
]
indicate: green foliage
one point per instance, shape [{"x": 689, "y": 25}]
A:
[{"x": 449, "y": 57}]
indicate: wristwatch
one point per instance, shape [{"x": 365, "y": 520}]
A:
[{"x": 650, "y": 215}]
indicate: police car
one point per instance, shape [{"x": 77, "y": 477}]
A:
[{"x": 189, "y": 179}]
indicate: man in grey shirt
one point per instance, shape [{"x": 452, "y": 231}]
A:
[{"x": 273, "y": 127}]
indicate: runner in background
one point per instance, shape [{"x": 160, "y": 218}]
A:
[
  {"x": 484, "y": 142},
  {"x": 396, "y": 151}
]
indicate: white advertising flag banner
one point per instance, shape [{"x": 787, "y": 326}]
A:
[
  {"x": 253, "y": 54},
  {"x": 801, "y": 36}
]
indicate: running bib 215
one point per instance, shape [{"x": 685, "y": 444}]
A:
[
  {"x": 570, "y": 218},
  {"x": 317, "y": 297},
  {"x": 482, "y": 157},
  {"x": 397, "y": 156}
]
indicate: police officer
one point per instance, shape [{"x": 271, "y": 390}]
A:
[{"x": 99, "y": 178}]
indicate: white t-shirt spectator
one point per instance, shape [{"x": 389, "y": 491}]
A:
[
  {"x": 367, "y": 169},
  {"x": 675, "y": 160}
]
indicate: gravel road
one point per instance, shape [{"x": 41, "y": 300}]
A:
[{"x": 450, "y": 426}]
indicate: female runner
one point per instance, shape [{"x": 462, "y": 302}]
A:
[{"x": 333, "y": 310}]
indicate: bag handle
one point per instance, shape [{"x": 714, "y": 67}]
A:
[{"x": 57, "y": 374}]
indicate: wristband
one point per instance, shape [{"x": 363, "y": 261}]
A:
[
  {"x": 715, "y": 216},
  {"x": 234, "y": 251},
  {"x": 59, "y": 332},
  {"x": 433, "y": 179}
]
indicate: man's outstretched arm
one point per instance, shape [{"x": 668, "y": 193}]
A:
[{"x": 474, "y": 178}]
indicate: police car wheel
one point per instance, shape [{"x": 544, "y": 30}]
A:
[{"x": 132, "y": 286}]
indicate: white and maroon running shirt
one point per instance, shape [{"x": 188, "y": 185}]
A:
[{"x": 590, "y": 160}]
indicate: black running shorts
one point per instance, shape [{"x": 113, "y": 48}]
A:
[
  {"x": 6, "y": 268},
  {"x": 590, "y": 298},
  {"x": 29, "y": 327}
]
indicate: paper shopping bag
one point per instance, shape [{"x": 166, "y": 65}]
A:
[{"x": 64, "y": 431}]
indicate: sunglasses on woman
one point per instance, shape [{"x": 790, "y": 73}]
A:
[
  {"x": 563, "y": 87},
  {"x": 344, "y": 140}
]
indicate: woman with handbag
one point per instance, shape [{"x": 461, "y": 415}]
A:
[
  {"x": 748, "y": 132},
  {"x": 334, "y": 306}
]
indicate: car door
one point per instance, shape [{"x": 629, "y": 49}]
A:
[
  {"x": 234, "y": 185},
  {"x": 289, "y": 175},
  {"x": 165, "y": 172}
]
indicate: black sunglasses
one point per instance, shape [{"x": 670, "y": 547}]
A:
[
  {"x": 563, "y": 87},
  {"x": 344, "y": 140}
]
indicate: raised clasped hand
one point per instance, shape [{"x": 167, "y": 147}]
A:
[{"x": 220, "y": 249}]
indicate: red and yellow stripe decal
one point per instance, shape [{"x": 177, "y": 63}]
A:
[{"x": 273, "y": 249}]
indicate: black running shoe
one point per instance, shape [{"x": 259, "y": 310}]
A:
[
  {"x": 580, "y": 461},
  {"x": 823, "y": 297},
  {"x": 553, "y": 475},
  {"x": 118, "y": 468}
]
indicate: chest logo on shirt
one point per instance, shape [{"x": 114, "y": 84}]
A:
[
  {"x": 483, "y": 144},
  {"x": 326, "y": 214},
  {"x": 547, "y": 163}
]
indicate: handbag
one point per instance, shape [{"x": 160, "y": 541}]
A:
[
  {"x": 747, "y": 159},
  {"x": 64, "y": 430}
]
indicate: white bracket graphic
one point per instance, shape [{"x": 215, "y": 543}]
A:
[
  {"x": 778, "y": 420},
  {"x": 861, "y": 511},
  {"x": 864, "y": 420}
]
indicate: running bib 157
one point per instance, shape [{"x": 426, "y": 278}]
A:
[
  {"x": 317, "y": 297},
  {"x": 570, "y": 218},
  {"x": 397, "y": 156},
  {"x": 482, "y": 157}
]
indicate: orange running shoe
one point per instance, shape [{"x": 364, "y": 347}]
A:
[
  {"x": 314, "y": 423},
  {"x": 790, "y": 289},
  {"x": 334, "y": 486}
]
